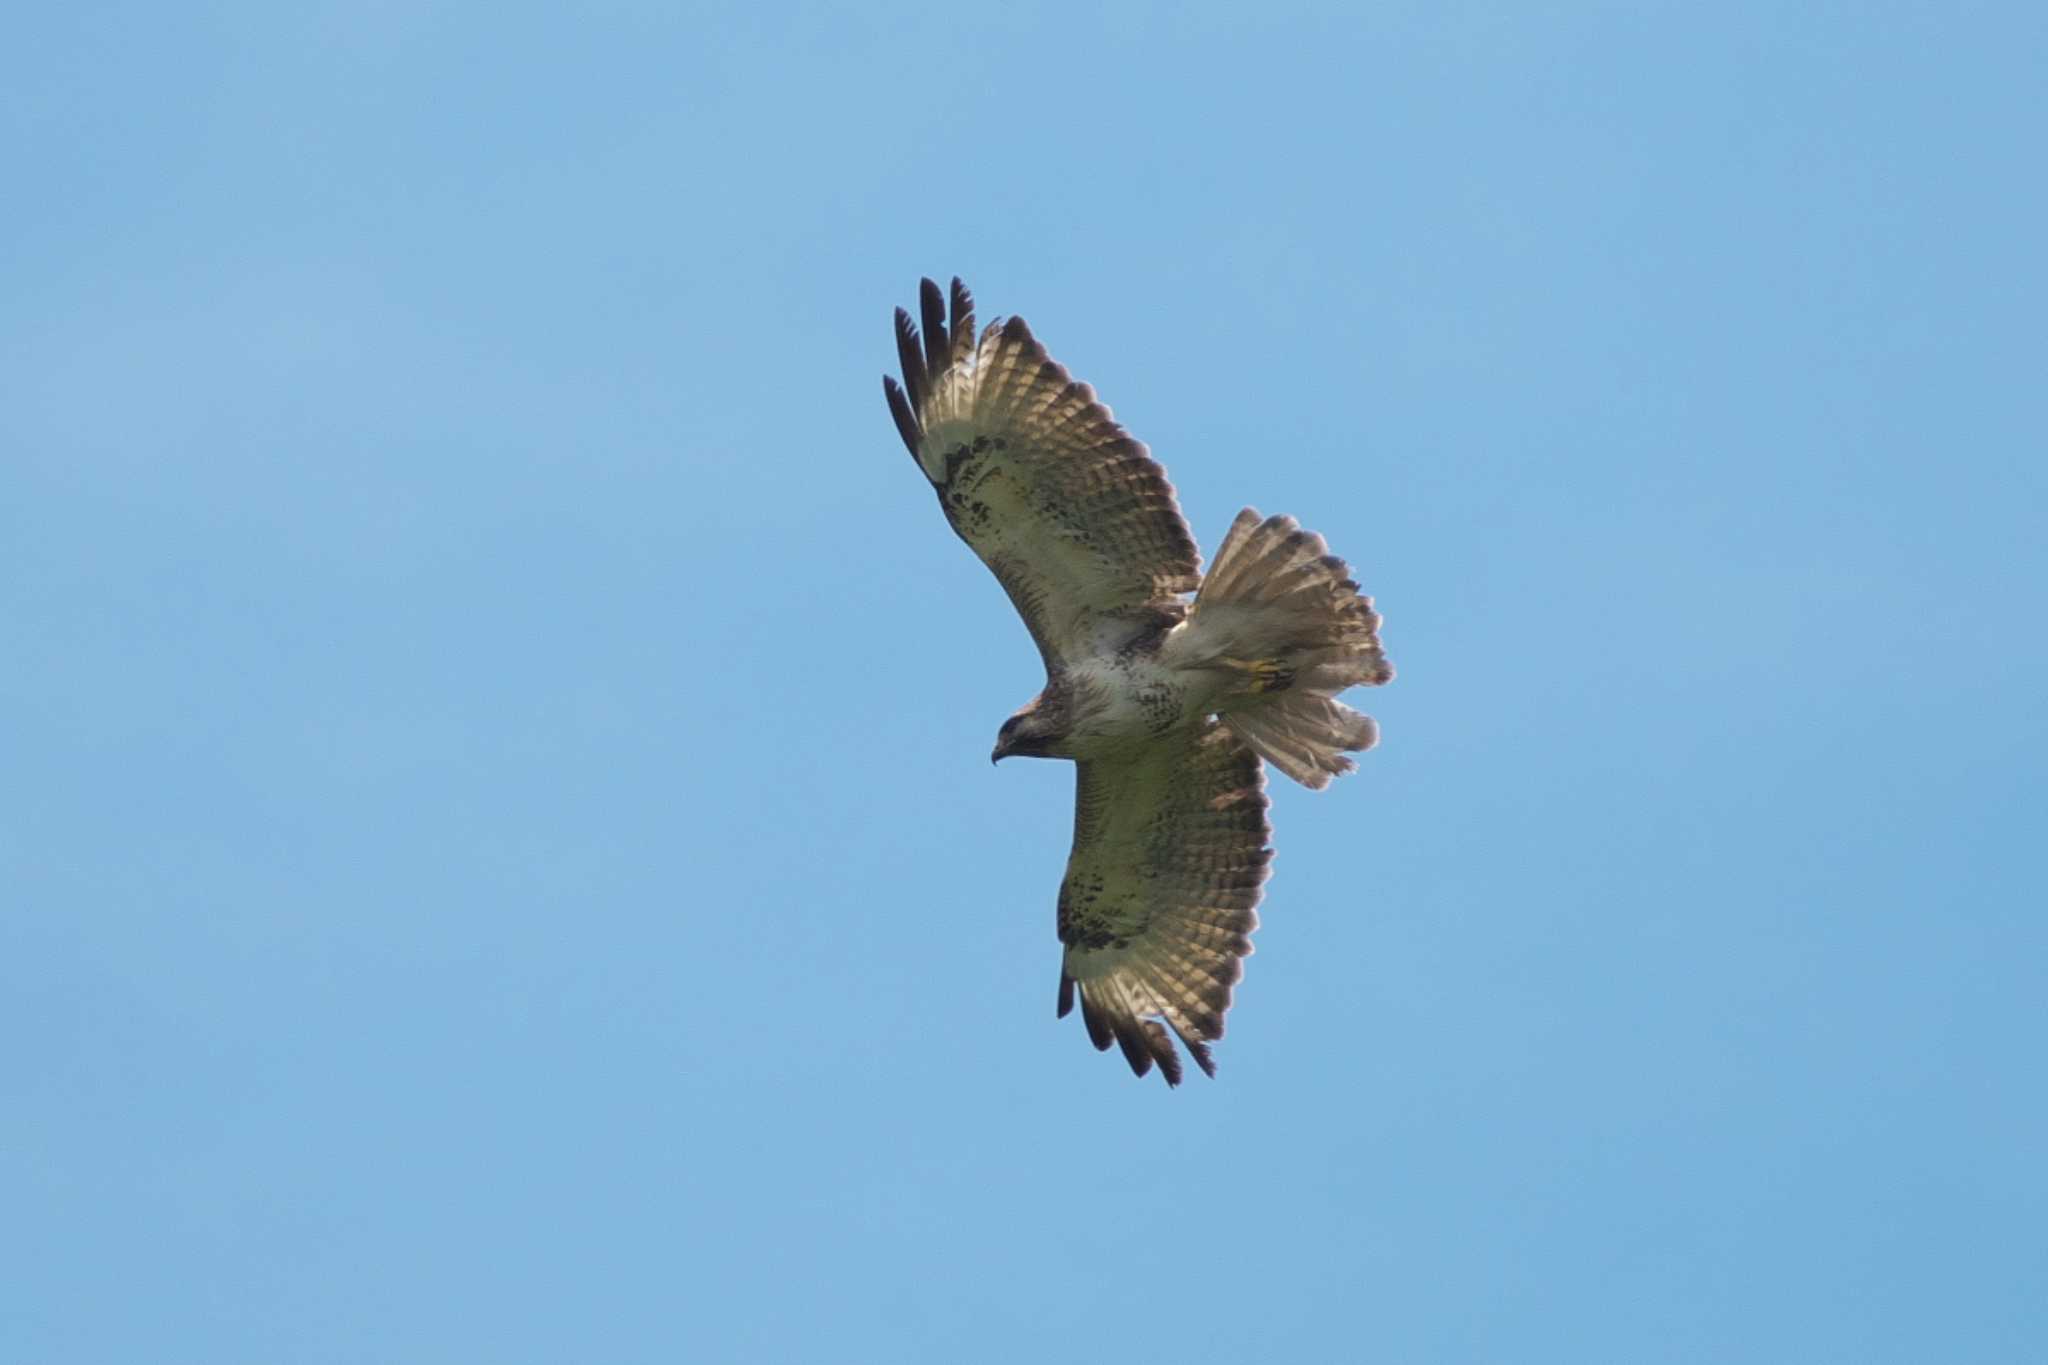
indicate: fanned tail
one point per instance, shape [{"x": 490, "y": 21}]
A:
[{"x": 1282, "y": 615}]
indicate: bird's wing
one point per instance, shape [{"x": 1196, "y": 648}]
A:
[
  {"x": 1159, "y": 904},
  {"x": 1076, "y": 520}
]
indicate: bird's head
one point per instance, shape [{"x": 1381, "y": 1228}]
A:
[{"x": 1033, "y": 733}]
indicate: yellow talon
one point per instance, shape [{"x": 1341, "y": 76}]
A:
[{"x": 1268, "y": 675}]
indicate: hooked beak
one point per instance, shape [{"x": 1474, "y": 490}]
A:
[{"x": 997, "y": 756}]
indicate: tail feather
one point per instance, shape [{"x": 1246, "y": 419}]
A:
[
  {"x": 1279, "y": 606},
  {"x": 1255, "y": 550},
  {"x": 1307, "y": 737}
]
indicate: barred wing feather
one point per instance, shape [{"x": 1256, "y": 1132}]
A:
[
  {"x": 1070, "y": 512},
  {"x": 1159, "y": 903}
]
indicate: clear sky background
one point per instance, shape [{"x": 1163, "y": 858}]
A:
[{"x": 498, "y": 855}]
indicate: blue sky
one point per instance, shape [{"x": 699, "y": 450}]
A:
[{"x": 498, "y": 859}]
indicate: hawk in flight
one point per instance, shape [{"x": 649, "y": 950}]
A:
[{"x": 1166, "y": 704}]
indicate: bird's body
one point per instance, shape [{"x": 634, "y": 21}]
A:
[
  {"x": 1132, "y": 693},
  {"x": 1166, "y": 705}
]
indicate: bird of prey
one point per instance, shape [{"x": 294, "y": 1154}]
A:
[{"x": 1165, "y": 703}]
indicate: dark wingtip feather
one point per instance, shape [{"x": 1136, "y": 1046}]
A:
[
  {"x": 1163, "y": 1053},
  {"x": 911, "y": 357},
  {"x": 906, "y": 420},
  {"x": 1131, "y": 1038},
  {"x": 1145, "y": 1042},
  {"x": 1099, "y": 1031},
  {"x": 963, "y": 316},
  {"x": 1198, "y": 1049},
  {"x": 938, "y": 349}
]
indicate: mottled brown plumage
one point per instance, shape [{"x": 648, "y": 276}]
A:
[{"x": 1166, "y": 705}]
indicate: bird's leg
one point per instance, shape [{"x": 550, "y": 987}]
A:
[{"x": 1264, "y": 675}]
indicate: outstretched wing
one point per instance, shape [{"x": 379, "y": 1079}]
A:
[
  {"x": 1076, "y": 520},
  {"x": 1160, "y": 899}
]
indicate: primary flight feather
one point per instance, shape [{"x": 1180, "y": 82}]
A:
[{"x": 1166, "y": 705}]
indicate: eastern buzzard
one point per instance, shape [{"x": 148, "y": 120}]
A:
[{"x": 1166, "y": 705}]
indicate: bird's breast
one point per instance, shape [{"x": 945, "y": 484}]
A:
[{"x": 1125, "y": 700}]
